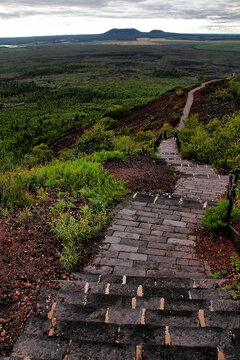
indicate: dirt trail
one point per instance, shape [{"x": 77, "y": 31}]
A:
[{"x": 190, "y": 100}]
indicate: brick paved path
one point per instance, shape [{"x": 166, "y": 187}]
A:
[
  {"x": 144, "y": 297},
  {"x": 200, "y": 183},
  {"x": 152, "y": 235}
]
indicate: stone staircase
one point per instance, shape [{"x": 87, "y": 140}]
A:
[
  {"x": 145, "y": 296},
  {"x": 94, "y": 316},
  {"x": 200, "y": 181}
]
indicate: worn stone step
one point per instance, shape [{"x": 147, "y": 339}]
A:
[
  {"x": 119, "y": 315},
  {"x": 155, "y": 352},
  {"x": 225, "y": 305},
  {"x": 88, "y": 277},
  {"x": 86, "y": 350},
  {"x": 153, "y": 303},
  {"x": 143, "y": 290},
  {"x": 171, "y": 293},
  {"x": 140, "y": 280},
  {"x": 224, "y": 319},
  {"x": 65, "y": 330},
  {"x": 149, "y": 291},
  {"x": 37, "y": 326},
  {"x": 210, "y": 294},
  {"x": 200, "y": 336},
  {"x": 172, "y": 318},
  {"x": 39, "y": 347},
  {"x": 147, "y": 280},
  {"x": 115, "y": 333},
  {"x": 32, "y": 358}
]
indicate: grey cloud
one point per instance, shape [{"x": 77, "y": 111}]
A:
[{"x": 219, "y": 11}]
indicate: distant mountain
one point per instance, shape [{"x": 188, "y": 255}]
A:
[
  {"x": 122, "y": 34},
  {"x": 119, "y": 35}
]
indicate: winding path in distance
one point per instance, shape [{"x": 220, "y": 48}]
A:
[{"x": 190, "y": 100}]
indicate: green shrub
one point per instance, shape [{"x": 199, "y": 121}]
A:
[
  {"x": 81, "y": 175},
  {"x": 66, "y": 155},
  {"x": 168, "y": 128},
  {"x": 234, "y": 87},
  {"x": 144, "y": 136},
  {"x": 108, "y": 123},
  {"x": 105, "y": 156},
  {"x": 13, "y": 193},
  {"x": 25, "y": 215},
  {"x": 129, "y": 146},
  {"x": 126, "y": 144},
  {"x": 214, "y": 218},
  {"x": 234, "y": 277},
  {"x": 96, "y": 139},
  {"x": 125, "y": 131},
  {"x": 41, "y": 154},
  {"x": 75, "y": 232},
  {"x": 117, "y": 112},
  {"x": 212, "y": 143}
]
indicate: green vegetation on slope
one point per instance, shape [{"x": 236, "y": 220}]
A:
[
  {"x": 218, "y": 141},
  {"x": 49, "y": 91},
  {"x": 80, "y": 179}
]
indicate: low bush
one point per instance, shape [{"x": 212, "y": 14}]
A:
[
  {"x": 96, "y": 139},
  {"x": 13, "y": 192},
  {"x": 214, "y": 218},
  {"x": 168, "y": 128},
  {"x": 108, "y": 123},
  {"x": 80, "y": 175},
  {"x": 214, "y": 143},
  {"x": 75, "y": 232},
  {"x": 105, "y": 156},
  {"x": 117, "y": 112},
  {"x": 234, "y": 86},
  {"x": 40, "y": 155},
  {"x": 130, "y": 146},
  {"x": 144, "y": 136},
  {"x": 125, "y": 131}
]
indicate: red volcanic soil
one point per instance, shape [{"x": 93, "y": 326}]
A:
[
  {"x": 217, "y": 250},
  {"x": 209, "y": 106},
  {"x": 142, "y": 173},
  {"x": 168, "y": 108}
]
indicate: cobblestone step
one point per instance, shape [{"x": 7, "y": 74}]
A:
[
  {"x": 211, "y": 336},
  {"x": 153, "y": 302},
  {"x": 118, "y": 315},
  {"x": 129, "y": 313},
  {"x": 146, "y": 290},
  {"x": 150, "y": 281},
  {"x": 93, "y": 340},
  {"x": 178, "y": 353},
  {"x": 86, "y": 350},
  {"x": 39, "y": 347}
]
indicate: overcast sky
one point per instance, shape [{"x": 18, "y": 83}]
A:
[{"x": 50, "y": 17}]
